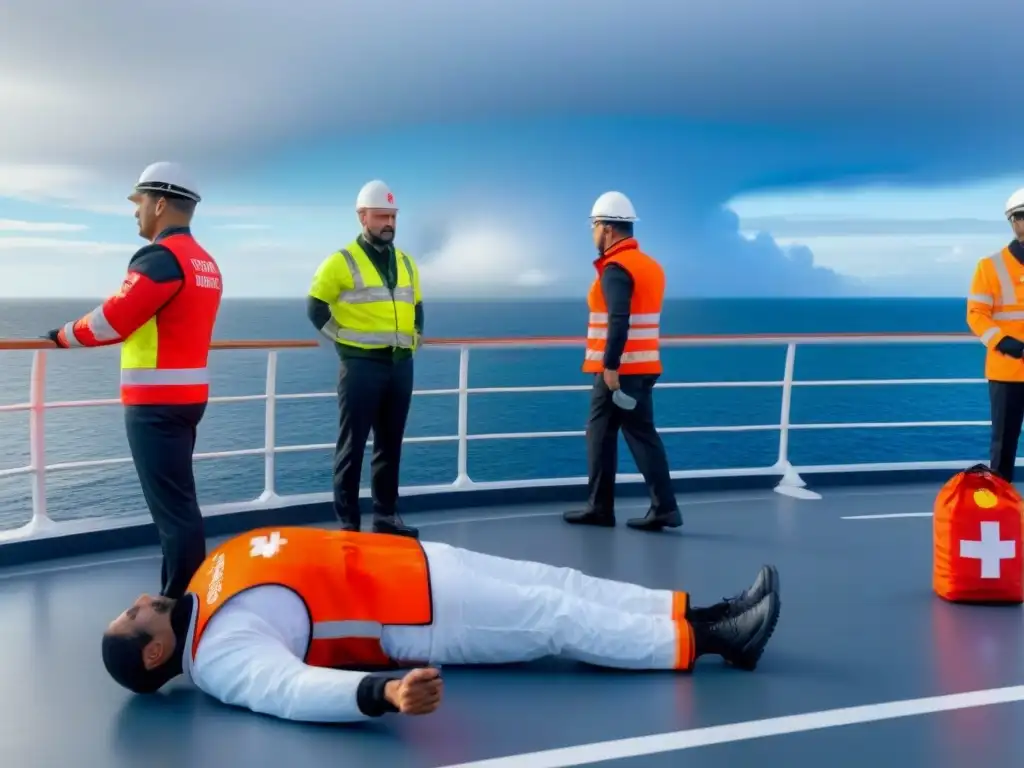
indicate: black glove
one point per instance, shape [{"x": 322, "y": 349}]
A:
[
  {"x": 52, "y": 336},
  {"x": 1011, "y": 347}
]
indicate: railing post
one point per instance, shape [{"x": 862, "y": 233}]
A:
[
  {"x": 37, "y": 441},
  {"x": 790, "y": 484},
  {"x": 270, "y": 430},
  {"x": 462, "y": 479}
]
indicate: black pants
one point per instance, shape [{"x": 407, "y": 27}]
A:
[
  {"x": 637, "y": 425},
  {"x": 372, "y": 394},
  {"x": 1007, "y": 401},
  {"x": 162, "y": 439}
]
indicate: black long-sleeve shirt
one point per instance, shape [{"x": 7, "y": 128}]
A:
[{"x": 617, "y": 287}]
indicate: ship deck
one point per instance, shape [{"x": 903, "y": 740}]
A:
[{"x": 860, "y": 627}]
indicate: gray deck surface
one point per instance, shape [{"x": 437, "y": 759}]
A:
[{"x": 859, "y": 626}]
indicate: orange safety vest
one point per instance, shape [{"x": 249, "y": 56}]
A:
[
  {"x": 995, "y": 308},
  {"x": 353, "y": 585},
  {"x": 164, "y": 361},
  {"x": 641, "y": 354}
]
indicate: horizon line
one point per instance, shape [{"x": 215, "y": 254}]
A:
[{"x": 549, "y": 299}]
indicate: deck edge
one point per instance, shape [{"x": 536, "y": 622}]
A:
[{"x": 134, "y": 535}]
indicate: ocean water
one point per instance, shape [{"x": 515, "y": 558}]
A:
[{"x": 78, "y": 434}]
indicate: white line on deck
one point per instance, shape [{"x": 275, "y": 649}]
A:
[
  {"x": 620, "y": 749},
  {"x": 887, "y": 517}
]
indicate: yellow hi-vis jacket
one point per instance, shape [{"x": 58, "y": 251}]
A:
[{"x": 365, "y": 313}]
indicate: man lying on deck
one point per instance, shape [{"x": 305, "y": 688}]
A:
[{"x": 290, "y": 622}]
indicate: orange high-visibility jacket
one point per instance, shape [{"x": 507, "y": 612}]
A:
[
  {"x": 353, "y": 585},
  {"x": 995, "y": 309},
  {"x": 642, "y": 352}
]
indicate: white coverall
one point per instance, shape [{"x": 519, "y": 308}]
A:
[{"x": 487, "y": 610}]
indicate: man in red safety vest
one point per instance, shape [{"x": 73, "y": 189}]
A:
[{"x": 163, "y": 316}]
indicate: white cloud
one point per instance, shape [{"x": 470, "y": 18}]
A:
[
  {"x": 485, "y": 261},
  {"x": 13, "y": 225},
  {"x": 45, "y": 183},
  {"x": 56, "y": 246},
  {"x": 909, "y": 265}
]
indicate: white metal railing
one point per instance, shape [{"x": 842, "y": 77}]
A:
[{"x": 790, "y": 481}]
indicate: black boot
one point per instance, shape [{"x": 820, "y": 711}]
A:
[
  {"x": 590, "y": 517},
  {"x": 767, "y": 581},
  {"x": 656, "y": 521},
  {"x": 740, "y": 640},
  {"x": 383, "y": 523}
]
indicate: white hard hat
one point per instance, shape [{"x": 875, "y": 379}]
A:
[
  {"x": 613, "y": 206},
  {"x": 1015, "y": 203},
  {"x": 170, "y": 178},
  {"x": 375, "y": 194}
]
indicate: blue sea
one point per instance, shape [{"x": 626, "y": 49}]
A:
[{"x": 78, "y": 434}]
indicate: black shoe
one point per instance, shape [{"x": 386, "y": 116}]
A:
[
  {"x": 767, "y": 582},
  {"x": 741, "y": 640},
  {"x": 655, "y": 521},
  {"x": 590, "y": 517},
  {"x": 393, "y": 525}
]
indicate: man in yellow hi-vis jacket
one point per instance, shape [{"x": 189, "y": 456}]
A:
[
  {"x": 366, "y": 299},
  {"x": 995, "y": 314}
]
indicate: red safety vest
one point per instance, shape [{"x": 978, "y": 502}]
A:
[
  {"x": 353, "y": 585},
  {"x": 164, "y": 361},
  {"x": 641, "y": 354}
]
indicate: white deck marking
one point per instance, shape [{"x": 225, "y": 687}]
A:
[
  {"x": 887, "y": 517},
  {"x": 620, "y": 749}
]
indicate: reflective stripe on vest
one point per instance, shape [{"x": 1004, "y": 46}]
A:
[
  {"x": 363, "y": 294},
  {"x": 1008, "y": 295},
  {"x": 163, "y": 377},
  {"x": 98, "y": 326},
  {"x": 339, "y": 630}
]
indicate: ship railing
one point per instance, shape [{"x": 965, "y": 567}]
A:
[{"x": 790, "y": 481}]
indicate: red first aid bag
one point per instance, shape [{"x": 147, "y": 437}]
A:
[{"x": 977, "y": 530}]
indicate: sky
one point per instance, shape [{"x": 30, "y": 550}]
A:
[{"x": 771, "y": 147}]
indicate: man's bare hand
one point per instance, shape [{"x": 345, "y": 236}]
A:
[{"x": 418, "y": 693}]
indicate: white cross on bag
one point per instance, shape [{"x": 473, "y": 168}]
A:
[{"x": 991, "y": 550}]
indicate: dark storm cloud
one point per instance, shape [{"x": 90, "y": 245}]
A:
[{"x": 794, "y": 93}]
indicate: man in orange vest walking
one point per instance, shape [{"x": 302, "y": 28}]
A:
[
  {"x": 277, "y": 620},
  {"x": 995, "y": 314},
  {"x": 163, "y": 317},
  {"x": 623, "y": 355}
]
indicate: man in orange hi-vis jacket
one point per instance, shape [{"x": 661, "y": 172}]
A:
[
  {"x": 304, "y": 623},
  {"x": 623, "y": 356},
  {"x": 995, "y": 314}
]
